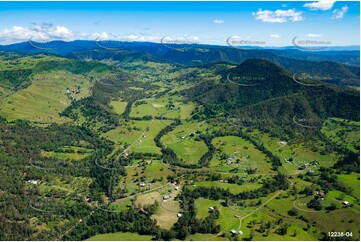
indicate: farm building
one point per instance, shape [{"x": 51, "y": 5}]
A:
[{"x": 34, "y": 182}]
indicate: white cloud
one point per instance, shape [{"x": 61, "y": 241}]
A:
[
  {"x": 278, "y": 16},
  {"x": 313, "y": 35},
  {"x": 320, "y": 5},
  {"x": 275, "y": 36},
  {"x": 47, "y": 32},
  {"x": 43, "y": 32},
  {"x": 218, "y": 21},
  {"x": 339, "y": 13}
]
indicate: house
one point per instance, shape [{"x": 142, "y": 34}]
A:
[
  {"x": 166, "y": 197},
  {"x": 345, "y": 203},
  {"x": 176, "y": 187},
  {"x": 283, "y": 142},
  {"x": 320, "y": 195},
  {"x": 233, "y": 231},
  {"x": 237, "y": 216},
  {"x": 34, "y": 182},
  {"x": 211, "y": 209},
  {"x": 179, "y": 215},
  {"x": 142, "y": 184},
  {"x": 240, "y": 232}
]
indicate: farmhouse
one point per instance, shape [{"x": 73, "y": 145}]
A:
[
  {"x": 166, "y": 197},
  {"x": 34, "y": 182},
  {"x": 211, "y": 209},
  {"x": 179, "y": 215},
  {"x": 142, "y": 184},
  {"x": 320, "y": 195},
  {"x": 345, "y": 203},
  {"x": 233, "y": 231}
]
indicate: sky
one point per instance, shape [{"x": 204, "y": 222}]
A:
[{"x": 218, "y": 23}]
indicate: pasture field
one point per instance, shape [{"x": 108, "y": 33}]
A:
[
  {"x": 118, "y": 106},
  {"x": 206, "y": 237},
  {"x": 168, "y": 106},
  {"x": 240, "y": 154},
  {"x": 127, "y": 133},
  {"x": 142, "y": 110},
  {"x": 166, "y": 214},
  {"x": 167, "y": 210},
  {"x": 77, "y": 153},
  {"x": 303, "y": 154},
  {"x": 233, "y": 188},
  {"x": 120, "y": 237},
  {"x": 47, "y": 96},
  {"x": 345, "y": 133},
  {"x": 152, "y": 173},
  {"x": 181, "y": 141},
  {"x": 146, "y": 142},
  {"x": 11, "y": 62},
  {"x": 352, "y": 180}
]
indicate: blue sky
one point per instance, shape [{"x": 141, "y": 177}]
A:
[{"x": 265, "y": 23}]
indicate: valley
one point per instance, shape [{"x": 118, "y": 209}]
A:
[{"x": 101, "y": 147}]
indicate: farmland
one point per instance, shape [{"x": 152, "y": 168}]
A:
[{"x": 130, "y": 148}]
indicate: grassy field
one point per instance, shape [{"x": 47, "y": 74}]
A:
[
  {"x": 186, "y": 147},
  {"x": 169, "y": 106},
  {"x": 139, "y": 135},
  {"x": 345, "y": 133},
  {"x": 233, "y": 188},
  {"x": 120, "y": 237},
  {"x": 166, "y": 214},
  {"x": 118, "y": 106},
  {"x": 241, "y": 154},
  {"x": 47, "y": 96},
  {"x": 353, "y": 181},
  {"x": 151, "y": 174},
  {"x": 146, "y": 143},
  {"x": 127, "y": 133},
  {"x": 77, "y": 154},
  {"x": 143, "y": 110},
  {"x": 302, "y": 153},
  {"x": 206, "y": 237}
]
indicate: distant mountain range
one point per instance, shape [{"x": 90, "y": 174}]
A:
[{"x": 333, "y": 66}]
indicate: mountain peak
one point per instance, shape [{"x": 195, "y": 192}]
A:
[{"x": 256, "y": 71}]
